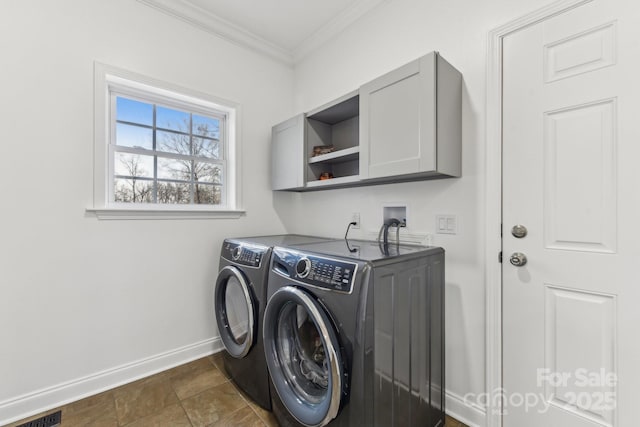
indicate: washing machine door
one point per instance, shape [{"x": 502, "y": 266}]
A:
[
  {"x": 303, "y": 356},
  {"x": 235, "y": 311}
]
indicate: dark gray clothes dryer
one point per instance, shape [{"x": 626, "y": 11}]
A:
[
  {"x": 353, "y": 334},
  {"x": 239, "y": 301}
]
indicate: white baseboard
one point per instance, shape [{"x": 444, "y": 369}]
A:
[
  {"x": 27, "y": 405},
  {"x": 465, "y": 412},
  {"x": 49, "y": 398}
]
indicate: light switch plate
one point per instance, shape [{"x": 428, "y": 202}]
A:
[{"x": 446, "y": 224}]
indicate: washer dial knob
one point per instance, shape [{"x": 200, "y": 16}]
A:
[
  {"x": 236, "y": 252},
  {"x": 303, "y": 267}
]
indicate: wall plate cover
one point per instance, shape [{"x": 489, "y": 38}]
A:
[
  {"x": 355, "y": 217},
  {"x": 397, "y": 212},
  {"x": 446, "y": 224}
]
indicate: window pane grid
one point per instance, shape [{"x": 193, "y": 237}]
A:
[
  {"x": 141, "y": 125},
  {"x": 197, "y": 175},
  {"x": 163, "y": 154},
  {"x": 179, "y": 132},
  {"x": 140, "y": 178},
  {"x": 187, "y": 157}
]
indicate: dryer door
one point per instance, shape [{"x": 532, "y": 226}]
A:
[
  {"x": 303, "y": 356},
  {"x": 235, "y": 311}
]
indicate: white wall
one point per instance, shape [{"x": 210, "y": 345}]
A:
[
  {"x": 85, "y": 303},
  {"x": 393, "y": 34}
]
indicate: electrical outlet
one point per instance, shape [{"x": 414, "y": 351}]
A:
[{"x": 355, "y": 217}]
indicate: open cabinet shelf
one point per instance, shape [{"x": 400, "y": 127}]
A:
[
  {"x": 339, "y": 156},
  {"x": 336, "y": 125}
]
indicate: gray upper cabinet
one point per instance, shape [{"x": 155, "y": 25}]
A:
[
  {"x": 287, "y": 154},
  {"x": 410, "y": 122},
  {"x": 405, "y": 125},
  {"x": 332, "y": 130}
]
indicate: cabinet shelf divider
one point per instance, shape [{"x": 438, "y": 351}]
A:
[{"x": 344, "y": 155}]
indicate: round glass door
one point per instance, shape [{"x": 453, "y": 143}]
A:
[
  {"x": 302, "y": 354},
  {"x": 234, "y": 311}
]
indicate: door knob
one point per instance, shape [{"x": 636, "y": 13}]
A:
[
  {"x": 518, "y": 259},
  {"x": 519, "y": 231}
]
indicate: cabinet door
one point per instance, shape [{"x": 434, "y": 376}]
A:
[
  {"x": 398, "y": 121},
  {"x": 287, "y": 154}
]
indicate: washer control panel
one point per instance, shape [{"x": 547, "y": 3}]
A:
[
  {"x": 244, "y": 254},
  {"x": 321, "y": 272}
]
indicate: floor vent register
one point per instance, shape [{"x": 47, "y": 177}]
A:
[{"x": 50, "y": 420}]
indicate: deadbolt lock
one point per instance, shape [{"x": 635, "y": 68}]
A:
[{"x": 519, "y": 231}]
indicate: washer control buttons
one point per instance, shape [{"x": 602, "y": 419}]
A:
[
  {"x": 303, "y": 267},
  {"x": 245, "y": 255},
  {"x": 327, "y": 273}
]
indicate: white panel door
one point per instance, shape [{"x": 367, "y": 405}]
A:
[{"x": 571, "y": 176}]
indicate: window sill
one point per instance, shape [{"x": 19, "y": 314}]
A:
[{"x": 150, "y": 213}]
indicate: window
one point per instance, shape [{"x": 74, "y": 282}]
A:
[
  {"x": 166, "y": 155},
  {"x": 162, "y": 148}
]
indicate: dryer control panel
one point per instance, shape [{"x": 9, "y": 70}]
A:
[
  {"x": 321, "y": 272},
  {"x": 244, "y": 254}
]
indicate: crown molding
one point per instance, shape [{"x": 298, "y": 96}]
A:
[
  {"x": 334, "y": 27},
  {"x": 207, "y": 21},
  {"x": 211, "y": 23}
]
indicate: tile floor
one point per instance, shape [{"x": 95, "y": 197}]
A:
[{"x": 197, "y": 394}]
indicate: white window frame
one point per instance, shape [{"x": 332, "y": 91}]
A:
[{"x": 111, "y": 81}]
